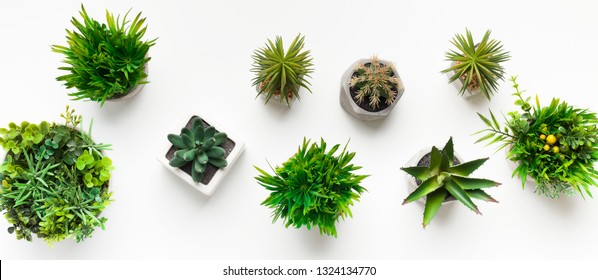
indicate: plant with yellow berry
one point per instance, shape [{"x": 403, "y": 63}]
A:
[{"x": 556, "y": 145}]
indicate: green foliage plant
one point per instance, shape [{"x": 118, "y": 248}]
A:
[
  {"x": 104, "y": 61},
  {"x": 556, "y": 145},
  {"x": 54, "y": 180},
  {"x": 376, "y": 82},
  {"x": 314, "y": 187},
  {"x": 444, "y": 178},
  {"x": 198, "y": 146},
  {"x": 279, "y": 73},
  {"x": 478, "y": 66}
]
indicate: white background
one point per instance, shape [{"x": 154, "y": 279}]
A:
[{"x": 200, "y": 65}]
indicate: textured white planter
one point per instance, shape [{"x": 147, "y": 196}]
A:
[
  {"x": 134, "y": 91},
  {"x": 411, "y": 183},
  {"x": 209, "y": 188},
  {"x": 348, "y": 103}
]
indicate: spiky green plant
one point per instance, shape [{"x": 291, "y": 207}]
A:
[
  {"x": 313, "y": 188},
  {"x": 104, "y": 60},
  {"x": 54, "y": 180},
  {"x": 444, "y": 178},
  {"x": 477, "y": 65},
  {"x": 376, "y": 82},
  {"x": 198, "y": 146},
  {"x": 556, "y": 145},
  {"x": 282, "y": 74}
]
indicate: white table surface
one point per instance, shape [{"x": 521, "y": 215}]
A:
[{"x": 200, "y": 65}]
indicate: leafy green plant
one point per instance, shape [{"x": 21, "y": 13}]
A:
[
  {"x": 198, "y": 146},
  {"x": 313, "y": 188},
  {"x": 476, "y": 65},
  {"x": 376, "y": 82},
  {"x": 104, "y": 60},
  {"x": 556, "y": 145},
  {"x": 444, "y": 178},
  {"x": 55, "y": 185},
  {"x": 281, "y": 74}
]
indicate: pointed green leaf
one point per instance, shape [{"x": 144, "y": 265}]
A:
[
  {"x": 481, "y": 195},
  {"x": 460, "y": 195},
  {"x": 424, "y": 189},
  {"x": 433, "y": 202},
  {"x": 420, "y": 172},
  {"x": 473, "y": 183},
  {"x": 464, "y": 169}
]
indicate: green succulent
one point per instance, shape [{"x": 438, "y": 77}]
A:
[
  {"x": 104, "y": 60},
  {"x": 556, "y": 145},
  {"x": 198, "y": 146},
  {"x": 444, "y": 178},
  {"x": 279, "y": 73},
  {"x": 477, "y": 65},
  {"x": 375, "y": 82},
  {"x": 55, "y": 186},
  {"x": 313, "y": 188}
]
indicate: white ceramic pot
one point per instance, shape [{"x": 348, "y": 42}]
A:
[
  {"x": 276, "y": 98},
  {"x": 348, "y": 103},
  {"x": 411, "y": 183},
  {"x": 209, "y": 188}
]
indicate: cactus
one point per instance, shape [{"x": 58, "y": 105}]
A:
[
  {"x": 198, "y": 146},
  {"x": 375, "y": 81}
]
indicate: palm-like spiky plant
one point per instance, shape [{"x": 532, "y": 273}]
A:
[
  {"x": 477, "y": 65},
  {"x": 443, "y": 178},
  {"x": 375, "y": 81},
  {"x": 314, "y": 187},
  {"x": 279, "y": 73},
  {"x": 198, "y": 146},
  {"x": 105, "y": 60}
]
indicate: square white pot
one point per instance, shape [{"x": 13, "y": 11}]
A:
[{"x": 209, "y": 188}]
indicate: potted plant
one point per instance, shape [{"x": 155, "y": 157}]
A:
[
  {"x": 439, "y": 176},
  {"x": 555, "y": 145},
  {"x": 105, "y": 61},
  {"x": 281, "y": 74},
  {"x": 55, "y": 180},
  {"x": 201, "y": 155},
  {"x": 314, "y": 187},
  {"x": 477, "y": 67},
  {"x": 371, "y": 89}
]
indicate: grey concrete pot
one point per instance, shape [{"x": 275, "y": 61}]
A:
[{"x": 348, "y": 103}]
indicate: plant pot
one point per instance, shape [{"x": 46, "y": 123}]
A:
[
  {"x": 458, "y": 84},
  {"x": 411, "y": 181},
  {"x": 212, "y": 176},
  {"x": 349, "y": 104},
  {"x": 275, "y": 98},
  {"x": 132, "y": 92}
]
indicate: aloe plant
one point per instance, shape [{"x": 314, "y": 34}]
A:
[
  {"x": 444, "y": 178},
  {"x": 280, "y": 73},
  {"x": 198, "y": 146},
  {"x": 477, "y": 65},
  {"x": 104, "y": 60}
]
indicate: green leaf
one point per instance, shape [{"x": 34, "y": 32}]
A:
[
  {"x": 420, "y": 172},
  {"x": 433, "y": 202},
  {"x": 460, "y": 195},
  {"x": 216, "y": 152},
  {"x": 481, "y": 195},
  {"x": 218, "y": 162},
  {"x": 464, "y": 169},
  {"x": 473, "y": 183},
  {"x": 424, "y": 189}
]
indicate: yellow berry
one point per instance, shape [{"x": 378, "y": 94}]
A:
[
  {"x": 542, "y": 136},
  {"x": 546, "y": 147},
  {"x": 551, "y": 139},
  {"x": 555, "y": 149}
]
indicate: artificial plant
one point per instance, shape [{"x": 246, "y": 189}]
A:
[{"x": 375, "y": 82}]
